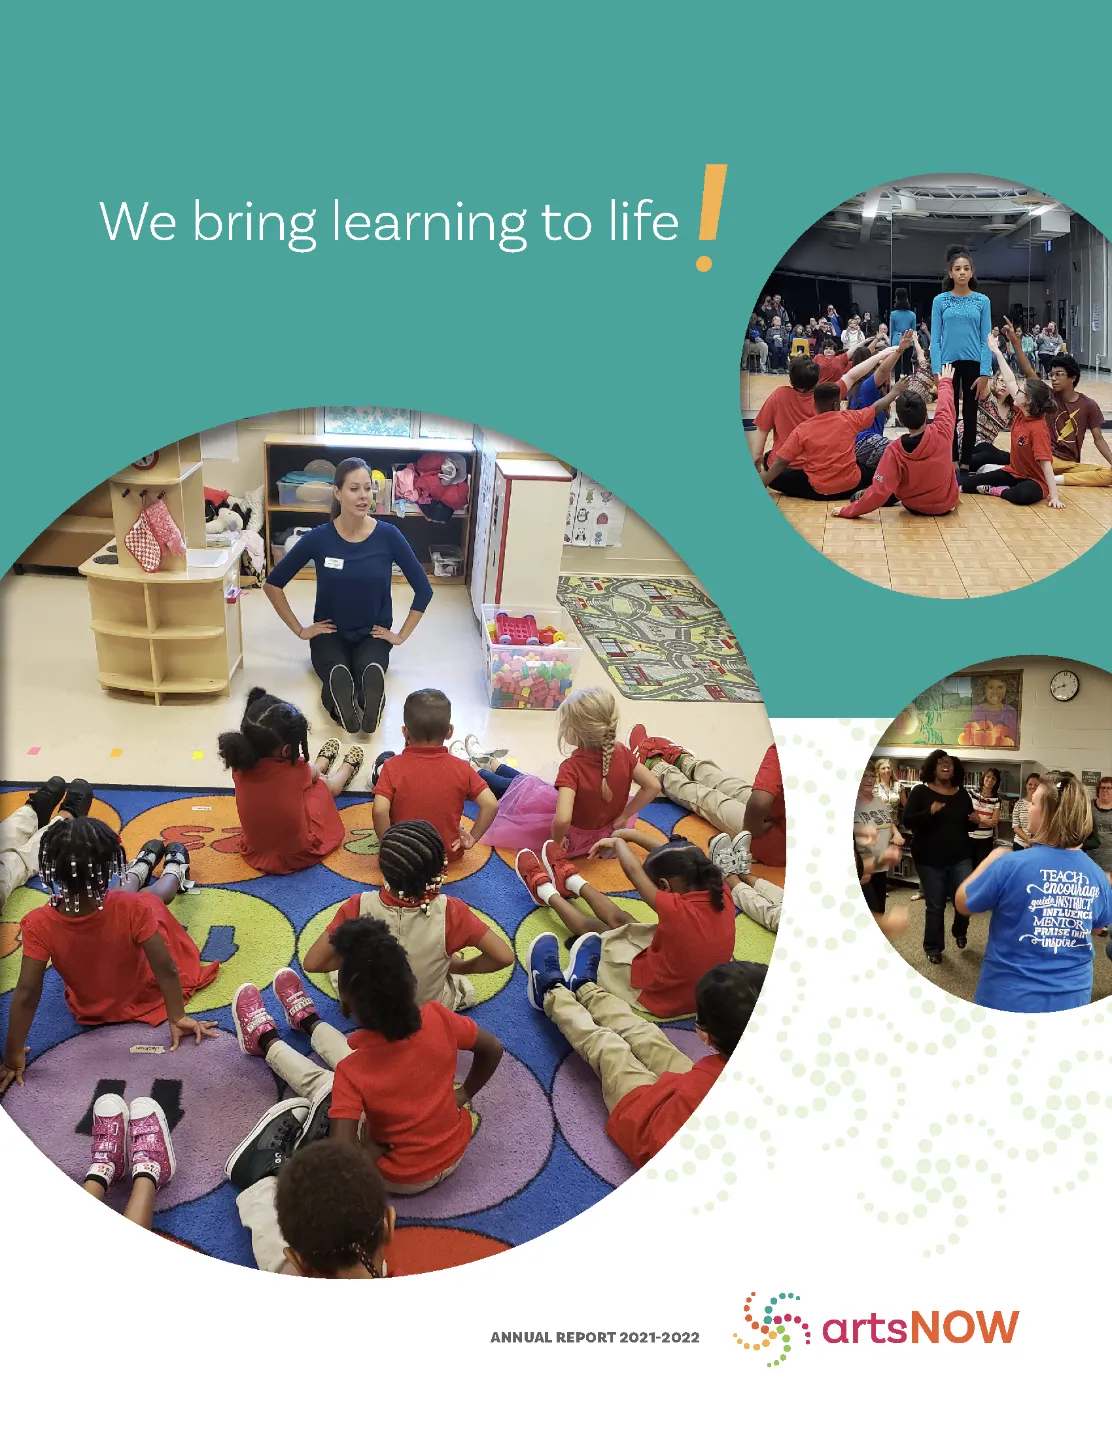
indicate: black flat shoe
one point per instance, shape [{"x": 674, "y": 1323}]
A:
[
  {"x": 342, "y": 686},
  {"x": 79, "y": 799},
  {"x": 374, "y": 697},
  {"x": 935, "y": 959},
  {"x": 46, "y": 799}
]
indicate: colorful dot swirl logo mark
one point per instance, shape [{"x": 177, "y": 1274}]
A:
[{"x": 773, "y": 1330}]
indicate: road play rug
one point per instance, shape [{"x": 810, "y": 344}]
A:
[
  {"x": 541, "y": 1154},
  {"x": 658, "y": 639}
]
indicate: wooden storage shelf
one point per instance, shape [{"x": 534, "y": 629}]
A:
[
  {"x": 283, "y": 453},
  {"x": 168, "y": 633}
]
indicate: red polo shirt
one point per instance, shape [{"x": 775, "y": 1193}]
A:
[
  {"x": 643, "y": 1121},
  {"x": 426, "y": 782},
  {"x": 691, "y": 937}
]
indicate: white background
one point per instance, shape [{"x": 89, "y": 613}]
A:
[{"x": 779, "y": 1184}]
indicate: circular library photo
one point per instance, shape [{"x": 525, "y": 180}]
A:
[
  {"x": 417, "y": 860},
  {"x": 983, "y": 834},
  {"x": 926, "y": 385}
]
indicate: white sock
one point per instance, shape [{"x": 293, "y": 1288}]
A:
[
  {"x": 575, "y": 883},
  {"x": 546, "y": 892}
]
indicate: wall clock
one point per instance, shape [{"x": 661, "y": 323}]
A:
[{"x": 1064, "y": 685}]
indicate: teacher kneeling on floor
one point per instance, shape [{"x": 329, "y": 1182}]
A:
[{"x": 351, "y": 635}]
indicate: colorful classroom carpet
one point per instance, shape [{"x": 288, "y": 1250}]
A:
[
  {"x": 541, "y": 1154},
  {"x": 658, "y": 639}
]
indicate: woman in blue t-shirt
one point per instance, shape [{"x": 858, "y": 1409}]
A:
[
  {"x": 902, "y": 318},
  {"x": 352, "y": 635},
  {"x": 961, "y": 319},
  {"x": 1046, "y": 902}
]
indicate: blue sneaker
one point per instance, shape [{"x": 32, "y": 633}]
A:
[
  {"x": 543, "y": 968},
  {"x": 585, "y": 955}
]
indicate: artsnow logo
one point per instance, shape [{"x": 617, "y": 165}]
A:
[{"x": 781, "y": 1325}]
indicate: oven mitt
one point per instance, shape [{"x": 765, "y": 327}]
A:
[
  {"x": 143, "y": 544},
  {"x": 164, "y": 528}
]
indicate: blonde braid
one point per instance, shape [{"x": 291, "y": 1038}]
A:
[{"x": 607, "y": 756}]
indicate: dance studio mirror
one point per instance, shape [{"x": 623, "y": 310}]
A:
[
  {"x": 1008, "y": 289},
  {"x": 983, "y": 834},
  {"x": 359, "y": 697}
]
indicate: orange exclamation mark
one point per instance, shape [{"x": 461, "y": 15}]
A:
[{"x": 714, "y": 182}]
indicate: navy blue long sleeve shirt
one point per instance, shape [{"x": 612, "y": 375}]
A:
[{"x": 354, "y": 579}]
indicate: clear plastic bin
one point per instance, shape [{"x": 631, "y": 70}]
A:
[
  {"x": 447, "y": 561},
  {"x": 530, "y": 677},
  {"x": 289, "y": 490}
]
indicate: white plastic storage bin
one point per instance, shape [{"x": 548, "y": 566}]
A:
[
  {"x": 529, "y": 677},
  {"x": 447, "y": 561}
]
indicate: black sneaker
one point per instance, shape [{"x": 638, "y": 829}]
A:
[
  {"x": 147, "y": 861},
  {"x": 177, "y": 863},
  {"x": 934, "y": 957},
  {"x": 317, "y": 1124},
  {"x": 374, "y": 697},
  {"x": 380, "y": 761},
  {"x": 961, "y": 941},
  {"x": 342, "y": 685},
  {"x": 269, "y": 1145},
  {"x": 46, "y": 799},
  {"x": 79, "y": 799}
]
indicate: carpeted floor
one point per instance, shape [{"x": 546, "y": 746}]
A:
[
  {"x": 658, "y": 639},
  {"x": 540, "y": 1156},
  {"x": 959, "y": 969}
]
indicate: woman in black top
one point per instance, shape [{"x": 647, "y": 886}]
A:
[{"x": 939, "y": 815}]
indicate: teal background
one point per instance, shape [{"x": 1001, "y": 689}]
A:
[{"x": 623, "y": 359}]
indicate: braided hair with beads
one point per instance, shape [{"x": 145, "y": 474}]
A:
[
  {"x": 268, "y": 727},
  {"x": 411, "y": 857},
  {"x": 78, "y": 860},
  {"x": 589, "y": 718}
]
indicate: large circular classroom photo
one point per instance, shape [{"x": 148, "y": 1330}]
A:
[
  {"x": 926, "y": 385},
  {"x": 392, "y": 842},
  {"x": 983, "y": 834}
]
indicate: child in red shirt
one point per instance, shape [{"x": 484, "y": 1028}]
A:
[
  {"x": 1030, "y": 471},
  {"x": 590, "y": 799},
  {"x": 121, "y": 954},
  {"x": 287, "y": 806},
  {"x": 427, "y": 782},
  {"x": 433, "y": 929},
  {"x": 649, "y": 1086},
  {"x": 790, "y": 405},
  {"x": 918, "y": 468},
  {"x": 655, "y": 966},
  {"x": 819, "y": 459}
]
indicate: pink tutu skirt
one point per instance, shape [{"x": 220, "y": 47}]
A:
[{"x": 525, "y": 816}]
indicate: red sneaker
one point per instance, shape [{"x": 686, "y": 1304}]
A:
[
  {"x": 559, "y": 867},
  {"x": 648, "y": 747},
  {"x": 532, "y": 873},
  {"x": 251, "y": 1019}
]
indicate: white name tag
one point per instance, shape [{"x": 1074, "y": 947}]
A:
[{"x": 333, "y": 562}]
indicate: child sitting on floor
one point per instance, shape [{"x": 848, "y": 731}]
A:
[
  {"x": 21, "y": 832},
  {"x": 427, "y": 782},
  {"x": 287, "y": 807},
  {"x": 818, "y": 461},
  {"x": 1046, "y": 901},
  {"x": 121, "y": 954},
  {"x": 649, "y": 1086},
  {"x": 590, "y": 799},
  {"x": 394, "y": 1084},
  {"x": 433, "y": 929},
  {"x": 1029, "y": 475},
  {"x": 918, "y": 468},
  {"x": 655, "y": 965}
]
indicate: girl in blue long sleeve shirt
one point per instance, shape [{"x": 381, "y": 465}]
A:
[{"x": 961, "y": 320}]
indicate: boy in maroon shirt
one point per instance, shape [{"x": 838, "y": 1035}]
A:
[
  {"x": 1075, "y": 416},
  {"x": 649, "y": 1086},
  {"x": 918, "y": 468},
  {"x": 427, "y": 782}
]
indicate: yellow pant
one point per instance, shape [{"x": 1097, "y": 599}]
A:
[{"x": 1072, "y": 473}]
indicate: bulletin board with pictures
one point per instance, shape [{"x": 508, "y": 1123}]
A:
[{"x": 969, "y": 711}]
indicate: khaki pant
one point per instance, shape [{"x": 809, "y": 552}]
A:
[
  {"x": 704, "y": 788},
  {"x": 761, "y": 901},
  {"x": 20, "y": 835},
  {"x": 1072, "y": 473},
  {"x": 257, "y": 1212},
  {"x": 458, "y": 992},
  {"x": 623, "y": 1050}
]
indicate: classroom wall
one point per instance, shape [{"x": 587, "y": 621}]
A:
[
  {"x": 246, "y": 473},
  {"x": 642, "y": 552},
  {"x": 1073, "y": 736}
]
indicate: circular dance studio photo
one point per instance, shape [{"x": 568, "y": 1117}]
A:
[
  {"x": 926, "y": 385},
  {"x": 379, "y": 766},
  {"x": 983, "y": 834}
]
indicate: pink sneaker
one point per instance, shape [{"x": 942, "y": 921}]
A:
[
  {"x": 109, "y": 1158},
  {"x": 251, "y": 1019},
  {"x": 294, "y": 997},
  {"x": 152, "y": 1152}
]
